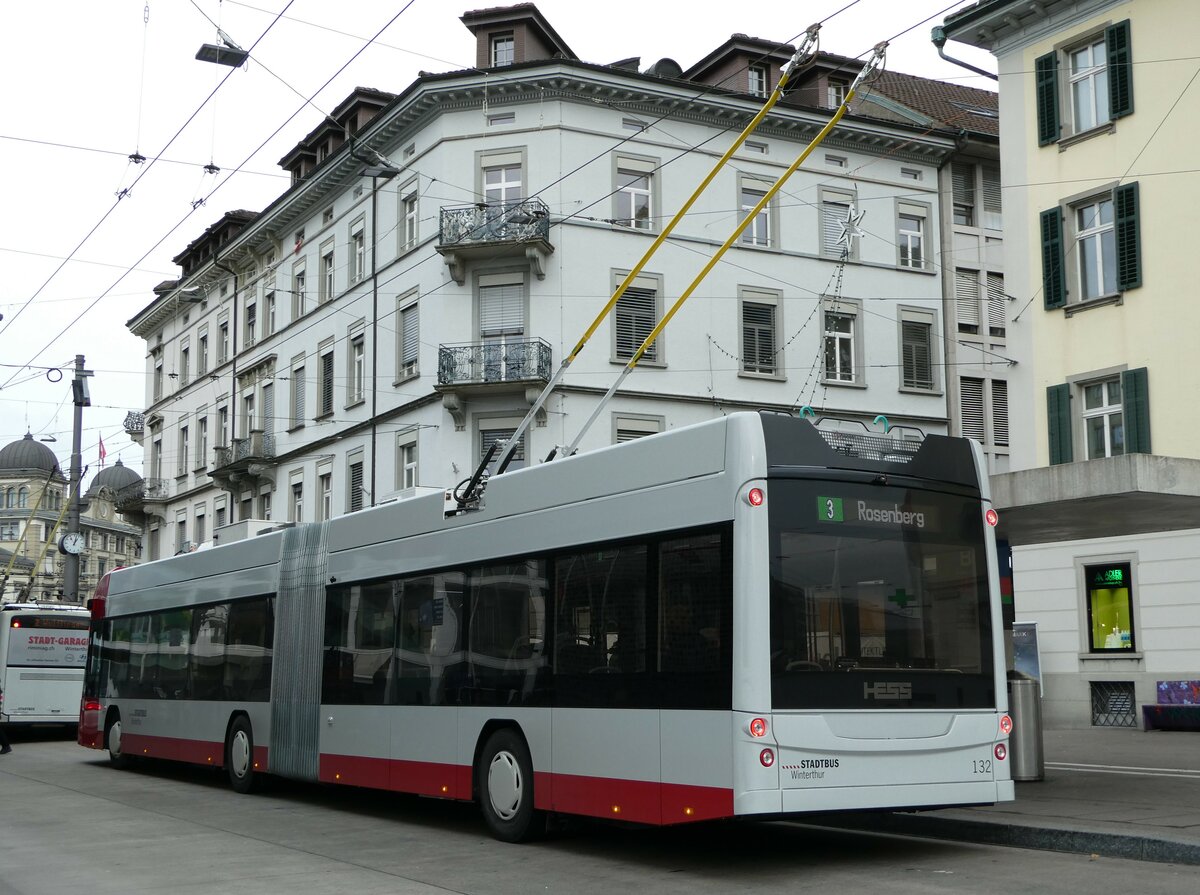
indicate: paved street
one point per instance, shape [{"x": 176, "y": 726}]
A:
[{"x": 71, "y": 823}]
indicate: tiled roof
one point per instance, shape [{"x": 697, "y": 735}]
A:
[{"x": 954, "y": 105}]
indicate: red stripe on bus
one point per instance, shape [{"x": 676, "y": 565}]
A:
[
  {"x": 191, "y": 751},
  {"x": 425, "y": 778},
  {"x": 638, "y": 801}
]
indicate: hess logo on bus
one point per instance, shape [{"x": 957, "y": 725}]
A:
[{"x": 887, "y": 690}]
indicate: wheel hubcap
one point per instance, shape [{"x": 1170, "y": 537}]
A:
[
  {"x": 505, "y": 785},
  {"x": 114, "y": 739},
  {"x": 239, "y": 754}
]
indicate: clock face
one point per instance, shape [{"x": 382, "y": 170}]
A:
[{"x": 72, "y": 542}]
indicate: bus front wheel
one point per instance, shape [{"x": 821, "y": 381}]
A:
[
  {"x": 239, "y": 756},
  {"x": 112, "y": 736},
  {"x": 506, "y": 788}
]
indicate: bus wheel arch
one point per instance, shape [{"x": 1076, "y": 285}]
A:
[
  {"x": 239, "y": 754},
  {"x": 117, "y": 757},
  {"x": 504, "y": 786}
]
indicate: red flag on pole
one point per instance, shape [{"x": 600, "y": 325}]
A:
[{"x": 103, "y": 452}]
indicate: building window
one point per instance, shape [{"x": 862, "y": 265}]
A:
[
  {"x": 296, "y": 511},
  {"x": 269, "y": 314},
  {"x": 760, "y": 333},
  {"x": 223, "y": 425},
  {"x": 1103, "y": 233},
  {"x": 1103, "y": 426},
  {"x": 202, "y": 440},
  {"x": 358, "y": 368},
  {"x": 223, "y": 342},
  {"x": 181, "y": 465},
  {"x": 202, "y": 356},
  {"x": 1113, "y": 416},
  {"x": 408, "y": 337},
  {"x": 977, "y": 314},
  {"x": 248, "y": 413},
  {"x": 185, "y": 374},
  {"x": 840, "y": 332},
  {"x": 199, "y": 528},
  {"x": 910, "y": 236},
  {"x": 1085, "y": 85},
  {"x": 916, "y": 350},
  {"x": 409, "y": 232},
  {"x": 488, "y": 437},
  {"x": 325, "y": 396},
  {"x": 251, "y": 325},
  {"x": 629, "y": 428},
  {"x": 219, "y": 522},
  {"x": 758, "y": 231},
  {"x": 502, "y": 50},
  {"x": 634, "y": 199},
  {"x": 982, "y": 419},
  {"x": 836, "y": 209},
  {"x": 296, "y": 419},
  {"x": 1110, "y": 608},
  {"x": 325, "y": 483},
  {"x": 835, "y": 92},
  {"x": 158, "y": 378},
  {"x": 327, "y": 272},
  {"x": 406, "y": 461},
  {"x": 358, "y": 253},
  {"x": 634, "y": 317},
  {"x": 502, "y": 183},
  {"x": 355, "y": 485},
  {"x": 962, "y": 186},
  {"x": 759, "y": 79},
  {"x": 268, "y": 409},
  {"x": 501, "y": 328},
  {"x": 298, "y": 286}
]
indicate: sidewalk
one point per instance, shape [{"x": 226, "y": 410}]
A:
[{"x": 1114, "y": 792}]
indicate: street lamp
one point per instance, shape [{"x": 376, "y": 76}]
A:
[{"x": 224, "y": 53}]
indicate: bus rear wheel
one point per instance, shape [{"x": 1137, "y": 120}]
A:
[
  {"x": 239, "y": 756},
  {"x": 112, "y": 737},
  {"x": 505, "y": 777}
]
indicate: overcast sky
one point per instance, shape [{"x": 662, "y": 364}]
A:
[{"x": 88, "y": 83}]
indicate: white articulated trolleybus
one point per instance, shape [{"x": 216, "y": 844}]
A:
[
  {"x": 751, "y": 617},
  {"x": 42, "y": 652}
]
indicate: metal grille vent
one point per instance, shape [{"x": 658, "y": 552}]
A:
[
  {"x": 872, "y": 447},
  {"x": 1113, "y": 704}
]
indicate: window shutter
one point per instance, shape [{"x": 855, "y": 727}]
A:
[
  {"x": 972, "y": 408},
  {"x": 1135, "y": 393},
  {"x": 833, "y": 215},
  {"x": 916, "y": 360},
  {"x": 297, "y": 396},
  {"x": 1058, "y": 415},
  {"x": 992, "y": 202},
  {"x": 1120, "y": 69},
  {"x": 758, "y": 337},
  {"x": 356, "y": 487},
  {"x": 327, "y": 383},
  {"x": 501, "y": 310},
  {"x": 268, "y": 412},
  {"x": 1045, "y": 70},
  {"x": 1054, "y": 275},
  {"x": 1129, "y": 249},
  {"x": 409, "y": 323},
  {"x": 636, "y": 314},
  {"x": 997, "y": 319},
  {"x": 962, "y": 182},
  {"x": 966, "y": 294},
  {"x": 1000, "y": 412}
]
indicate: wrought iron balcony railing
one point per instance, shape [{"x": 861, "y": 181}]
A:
[
  {"x": 135, "y": 494},
  {"x": 520, "y": 221},
  {"x": 498, "y": 361},
  {"x": 259, "y": 446}
]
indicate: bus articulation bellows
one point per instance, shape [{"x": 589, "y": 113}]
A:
[{"x": 750, "y": 617}]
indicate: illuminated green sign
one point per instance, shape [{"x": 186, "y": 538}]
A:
[{"x": 1110, "y": 577}]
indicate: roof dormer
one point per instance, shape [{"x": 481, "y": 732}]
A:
[
  {"x": 507, "y": 35},
  {"x": 743, "y": 64}
]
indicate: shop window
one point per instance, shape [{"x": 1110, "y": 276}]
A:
[{"x": 1110, "y": 608}]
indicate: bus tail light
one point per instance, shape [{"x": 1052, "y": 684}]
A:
[
  {"x": 92, "y": 706},
  {"x": 992, "y": 517},
  {"x": 1001, "y": 752},
  {"x": 758, "y": 727},
  {"x": 767, "y": 757},
  {"x": 1006, "y": 724},
  {"x": 755, "y": 497}
]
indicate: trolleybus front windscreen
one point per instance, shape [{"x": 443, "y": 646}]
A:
[{"x": 879, "y": 598}]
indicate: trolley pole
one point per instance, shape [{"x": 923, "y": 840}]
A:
[{"x": 81, "y": 399}]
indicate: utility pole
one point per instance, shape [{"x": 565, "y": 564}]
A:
[{"x": 81, "y": 398}]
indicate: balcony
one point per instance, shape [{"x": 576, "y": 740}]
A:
[
  {"x": 244, "y": 462},
  {"x": 488, "y": 368},
  {"x": 499, "y": 230},
  {"x": 135, "y": 426},
  {"x": 140, "y": 499}
]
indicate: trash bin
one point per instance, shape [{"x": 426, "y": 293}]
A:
[{"x": 1025, "y": 747}]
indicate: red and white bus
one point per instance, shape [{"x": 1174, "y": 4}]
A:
[
  {"x": 42, "y": 651},
  {"x": 751, "y": 617}
]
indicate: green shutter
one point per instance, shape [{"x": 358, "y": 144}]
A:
[
  {"x": 1054, "y": 275},
  {"x": 1135, "y": 396},
  {"x": 1120, "y": 70},
  {"x": 1129, "y": 248},
  {"x": 1058, "y": 414},
  {"x": 1046, "y": 92}
]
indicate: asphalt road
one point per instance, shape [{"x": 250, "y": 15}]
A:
[{"x": 72, "y": 823}]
